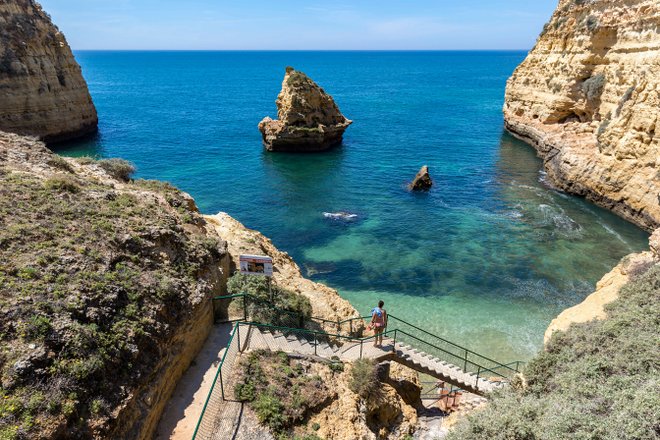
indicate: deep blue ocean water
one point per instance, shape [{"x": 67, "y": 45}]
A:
[{"x": 487, "y": 258}]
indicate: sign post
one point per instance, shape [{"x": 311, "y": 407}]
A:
[{"x": 257, "y": 265}]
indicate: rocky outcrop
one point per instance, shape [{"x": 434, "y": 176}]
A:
[
  {"x": 422, "y": 181},
  {"x": 326, "y": 302},
  {"x": 106, "y": 289},
  {"x": 308, "y": 118},
  {"x": 607, "y": 290},
  {"x": 588, "y": 98},
  {"x": 42, "y": 90}
]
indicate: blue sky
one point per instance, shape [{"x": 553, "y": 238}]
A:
[{"x": 300, "y": 24}]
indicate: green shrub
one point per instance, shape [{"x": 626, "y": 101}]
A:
[
  {"x": 337, "y": 367},
  {"x": 364, "y": 380},
  {"x": 269, "y": 410},
  {"x": 60, "y": 163},
  {"x": 120, "y": 169},
  {"x": 597, "y": 380},
  {"x": 260, "y": 309},
  {"x": 62, "y": 184}
]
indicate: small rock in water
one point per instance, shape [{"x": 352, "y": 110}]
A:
[{"x": 422, "y": 181}]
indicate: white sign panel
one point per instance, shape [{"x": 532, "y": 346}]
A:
[{"x": 256, "y": 265}]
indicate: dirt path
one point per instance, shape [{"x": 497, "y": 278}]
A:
[{"x": 185, "y": 406}]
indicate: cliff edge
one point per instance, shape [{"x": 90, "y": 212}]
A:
[
  {"x": 42, "y": 90},
  {"x": 588, "y": 98}
]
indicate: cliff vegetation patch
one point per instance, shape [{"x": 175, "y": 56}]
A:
[
  {"x": 282, "y": 391},
  {"x": 598, "y": 380},
  {"x": 95, "y": 278}
]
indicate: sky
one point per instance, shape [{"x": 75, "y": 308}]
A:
[{"x": 300, "y": 24}]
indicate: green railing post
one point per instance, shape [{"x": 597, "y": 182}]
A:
[
  {"x": 476, "y": 384},
  {"x": 315, "y": 345},
  {"x": 222, "y": 386},
  {"x": 361, "y": 344},
  {"x": 466, "y": 359},
  {"x": 394, "y": 343},
  {"x": 238, "y": 334}
]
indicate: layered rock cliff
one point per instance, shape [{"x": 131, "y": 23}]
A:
[
  {"x": 308, "y": 118},
  {"x": 42, "y": 90},
  {"x": 588, "y": 98}
]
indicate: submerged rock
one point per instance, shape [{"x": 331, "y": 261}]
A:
[
  {"x": 44, "y": 93},
  {"x": 308, "y": 118},
  {"x": 422, "y": 181}
]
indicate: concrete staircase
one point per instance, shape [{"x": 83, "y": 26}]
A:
[{"x": 304, "y": 344}]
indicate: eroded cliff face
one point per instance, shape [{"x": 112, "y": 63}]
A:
[
  {"x": 588, "y": 98},
  {"x": 42, "y": 90}
]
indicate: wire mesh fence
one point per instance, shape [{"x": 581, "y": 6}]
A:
[{"x": 261, "y": 325}]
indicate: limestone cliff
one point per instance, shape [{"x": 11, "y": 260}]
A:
[
  {"x": 308, "y": 118},
  {"x": 588, "y": 98},
  {"x": 42, "y": 91},
  {"x": 105, "y": 287},
  {"x": 607, "y": 290}
]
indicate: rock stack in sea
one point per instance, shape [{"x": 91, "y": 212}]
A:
[
  {"x": 422, "y": 181},
  {"x": 308, "y": 118},
  {"x": 43, "y": 93},
  {"x": 588, "y": 98}
]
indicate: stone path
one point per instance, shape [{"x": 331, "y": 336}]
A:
[{"x": 185, "y": 406}]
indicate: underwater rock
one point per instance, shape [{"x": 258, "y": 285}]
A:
[
  {"x": 422, "y": 181},
  {"x": 308, "y": 118}
]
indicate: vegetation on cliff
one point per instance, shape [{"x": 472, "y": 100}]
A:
[
  {"x": 597, "y": 380},
  {"x": 96, "y": 276},
  {"x": 282, "y": 391}
]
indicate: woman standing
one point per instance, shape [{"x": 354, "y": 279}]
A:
[{"x": 379, "y": 323}]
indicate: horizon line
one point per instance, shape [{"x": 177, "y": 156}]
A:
[{"x": 301, "y": 50}]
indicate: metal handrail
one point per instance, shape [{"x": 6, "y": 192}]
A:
[
  {"x": 467, "y": 350},
  {"x": 340, "y": 323}
]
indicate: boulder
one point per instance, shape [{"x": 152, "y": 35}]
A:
[
  {"x": 422, "y": 181},
  {"x": 308, "y": 118}
]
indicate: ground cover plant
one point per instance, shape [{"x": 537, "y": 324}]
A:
[
  {"x": 598, "y": 380},
  {"x": 95, "y": 277},
  {"x": 282, "y": 391}
]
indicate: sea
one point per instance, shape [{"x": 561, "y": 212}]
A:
[{"x": 486, "y": 258}]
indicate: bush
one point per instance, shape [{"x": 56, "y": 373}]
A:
[
  {"x": 364, "y": 378},
  {"x": 269, "y": 410},
  {"x": 60, "y": 163},
  {"x": 593, "y": 87},
  {"x": 120, "y": 169},
  {"x": 62, "y": 184},
  {"x": 597, "y": 380},
  {"x": 260, "y": 308},
  {"x": 278, "y": 389}
]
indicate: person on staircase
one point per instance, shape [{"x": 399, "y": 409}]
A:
[{"x": 379, "y": 323}]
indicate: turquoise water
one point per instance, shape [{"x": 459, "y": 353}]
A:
[{"x": 487, "y": 258}]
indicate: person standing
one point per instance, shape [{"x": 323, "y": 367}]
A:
[{"x": 379, "y": 323}]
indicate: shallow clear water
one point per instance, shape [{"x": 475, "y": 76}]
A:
[{"x": 487, "y": 258}]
